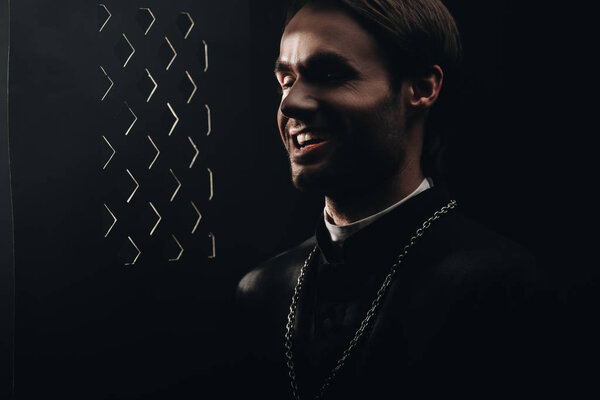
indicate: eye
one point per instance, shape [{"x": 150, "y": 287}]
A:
[
  {"x": 329, "y": 77},
  {"x": 284, "y": 83},
  {"x": 334, "y": 76},
  {"x": 287, "y": 82}
]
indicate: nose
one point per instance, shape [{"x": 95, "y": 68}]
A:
[{"x": 299, "y": 101}]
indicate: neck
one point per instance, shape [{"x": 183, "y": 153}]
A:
[{"x": 348, "y": 208}]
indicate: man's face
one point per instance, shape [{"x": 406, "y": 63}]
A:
[{"x": 339, "y": 118}]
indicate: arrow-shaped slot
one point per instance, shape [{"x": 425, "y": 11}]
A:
[
  {"x": 111, "y": 83},
  {"x": 130, "y": 54},
  {"x": 178, "y": 185},
  {"x": 153, "y": 82},
  {"x": 213, "y": 247},
  {"x": 195, "y": 150},
  {"x": 205, "y": 56},
  {"x": 157, "y": 152},
  {"x": 174, "y": 53},
  {"x": 148, "y": 14},
  {"x": 208, "y": 120},
  {"x": 176, "y": 119},
  {"x": 198, "y": 219},
  {"x": 157, "y": 221},
  {"x": 113, "y": 151},
  {"x": 108, "y": 15},
  {"x": 138, "y": 251},
  {"x": 180, "y": 249},
  {"x": 189, "y": 23},
  {"x": 211, "y": 184},
  {"x": 194, "y": 87},
  {"x": 114, "y": 220},
  {"x": 135, "y": 118},
  {"x": 137, "y": 185}
]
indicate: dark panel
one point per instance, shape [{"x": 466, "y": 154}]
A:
[
  {"x": 6, "y": 233},
  {"x": 121, "y": 311}
]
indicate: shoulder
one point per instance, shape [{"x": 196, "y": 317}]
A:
[
  {"x": 276, "y": 276},
  {"x": 478, "y": 253}
]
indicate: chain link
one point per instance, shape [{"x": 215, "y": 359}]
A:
[{"x": 371, "y": 314}]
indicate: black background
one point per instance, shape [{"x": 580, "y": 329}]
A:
[{"x": 86, "y": 327}]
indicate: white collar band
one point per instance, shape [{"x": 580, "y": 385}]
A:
[{"x": 339, "y": 233}]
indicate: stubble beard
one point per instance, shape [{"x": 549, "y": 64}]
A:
[{"x": 352, "y": 168}]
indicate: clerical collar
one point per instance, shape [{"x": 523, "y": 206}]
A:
[{"x": 339, "y": 233}]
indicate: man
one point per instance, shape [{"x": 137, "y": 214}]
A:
[{"x": 397, "y": 292}]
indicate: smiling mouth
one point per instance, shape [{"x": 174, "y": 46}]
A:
[{"x": 302, "y": 140}]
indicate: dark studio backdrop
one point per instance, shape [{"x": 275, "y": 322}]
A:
[{"x": 142, "y": 176}]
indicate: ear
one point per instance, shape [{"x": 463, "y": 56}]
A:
[{"x": 424, "y": 90}]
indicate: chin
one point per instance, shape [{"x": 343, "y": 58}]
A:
[
  {"x": 306, "y": 183},
  {"x": 334, "y": 180},
  {"x": 311, "y": 180},
  {"x": 323, "y": 181}
]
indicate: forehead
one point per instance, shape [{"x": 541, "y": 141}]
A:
[{"x": 318, "y": 29}]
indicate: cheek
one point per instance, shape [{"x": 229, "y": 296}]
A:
[
  {"x": 377, "y": 127},
  {"x": 360, "y": 109},
  {"x": 281, "y": 122},
  {"x": 363, "y": 122}
]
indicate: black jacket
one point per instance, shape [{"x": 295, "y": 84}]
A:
[{"x": 463, "y": 316}]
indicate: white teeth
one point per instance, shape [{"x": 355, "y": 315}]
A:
[{"x": 302, "y": 138}]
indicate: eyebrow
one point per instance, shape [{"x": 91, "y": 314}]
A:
[{"x": 317, "y": 60}]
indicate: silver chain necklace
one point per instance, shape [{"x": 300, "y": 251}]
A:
[{"x": 371, "y": 314}]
